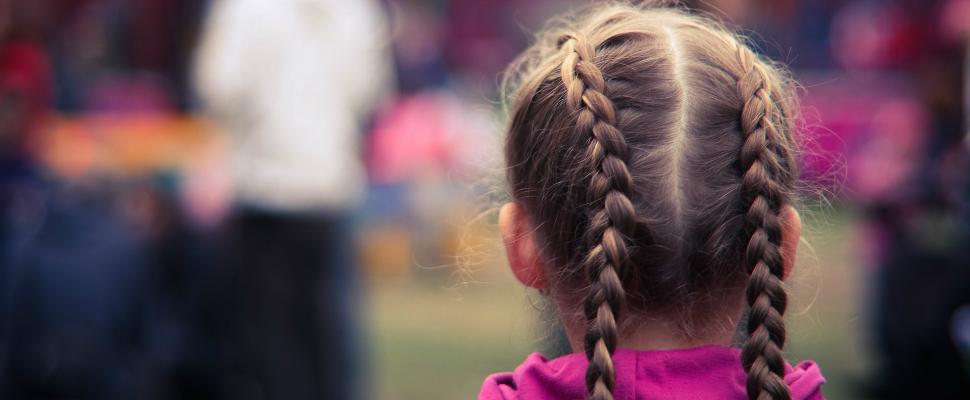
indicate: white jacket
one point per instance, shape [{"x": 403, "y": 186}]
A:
[{"x": 291, "y": 81}]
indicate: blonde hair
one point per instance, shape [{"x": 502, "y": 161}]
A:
[{"x": 654, "y": 150}]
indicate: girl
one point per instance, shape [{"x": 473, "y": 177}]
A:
[{"x": 652, "y": 167}]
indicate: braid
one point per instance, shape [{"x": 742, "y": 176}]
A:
[
  {"x": 612, "y": 218},
  {"x": 761, "y": 354}
]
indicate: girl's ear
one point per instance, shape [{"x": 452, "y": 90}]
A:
[
  {"x": 518, "y": 234},
  {"x": 791, "y": 233}
]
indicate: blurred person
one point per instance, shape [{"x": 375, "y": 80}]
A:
[
  {"x": 69, "y": 296},
  {"x": 100, "y": 279},
  {"x": 652, "y": 166},
  {"x": 25, "y": 96},
  {"x": 917, "y": 217},
  {"x": 293, "y": 82}
]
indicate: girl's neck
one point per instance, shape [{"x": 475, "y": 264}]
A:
[
  {"x": 659, "y": 333},
  {"x": 658, "y": 337}
]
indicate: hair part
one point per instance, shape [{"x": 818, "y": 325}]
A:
[{"x": 655, "y": 151}]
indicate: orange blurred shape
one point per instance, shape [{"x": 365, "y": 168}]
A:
[
  {"x": 387, "y": 253},
  {"x": 126, "y": 144}
]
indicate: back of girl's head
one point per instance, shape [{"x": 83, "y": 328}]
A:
[{"x": 653, "y": 152}]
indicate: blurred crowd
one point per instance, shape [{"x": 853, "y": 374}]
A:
[{"x": 183, "y": 183}]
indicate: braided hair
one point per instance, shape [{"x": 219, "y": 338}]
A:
[
  {"x": 612, "y": 215},
  {"x": 654, "y": 152},
  {"x": 762, "y": 165}
]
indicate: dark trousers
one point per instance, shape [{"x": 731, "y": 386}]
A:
[{"x": 295, "y": 290}]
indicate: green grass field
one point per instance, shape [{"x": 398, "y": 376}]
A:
[{"x": 439, "y": 340}]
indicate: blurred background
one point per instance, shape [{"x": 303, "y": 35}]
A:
[{"x": 293, "y": 199}]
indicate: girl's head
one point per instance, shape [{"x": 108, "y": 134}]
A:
[{"x": 651, "y": 163}]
